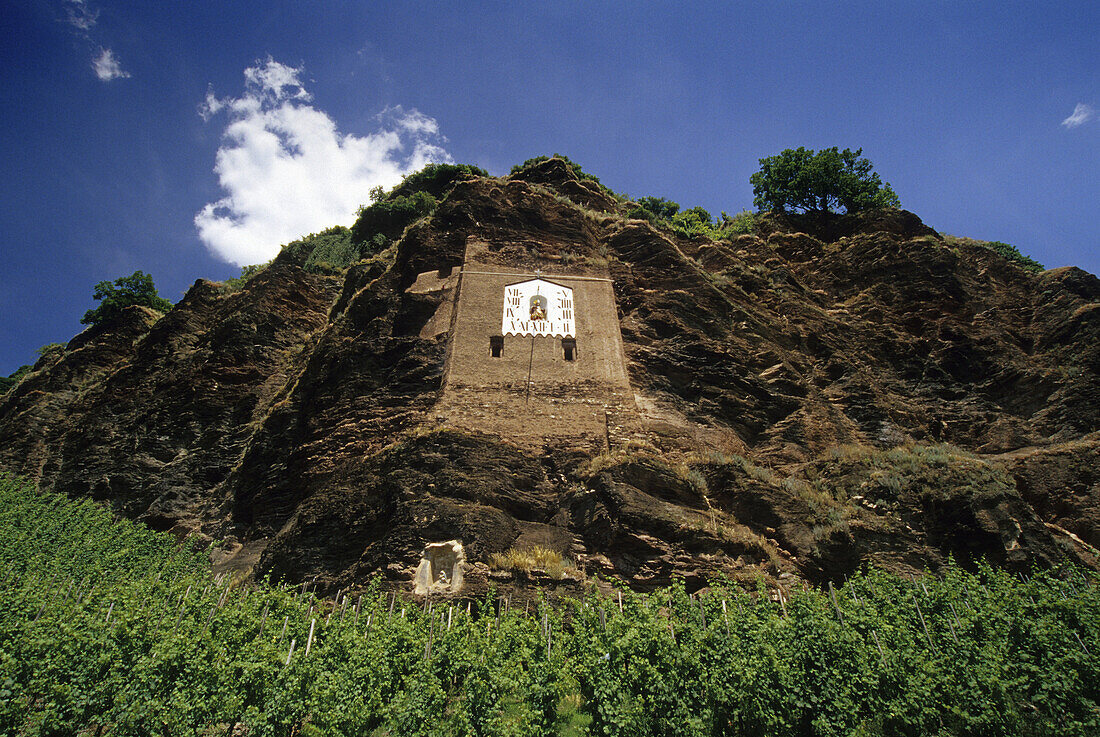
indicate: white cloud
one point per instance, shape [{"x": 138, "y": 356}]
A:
[
  {"x": 80, "y": 16},
  {"x": 288, "y": 171},
  {"x": 106, "y": 66},
  {"x": 1081, "y": 114}
]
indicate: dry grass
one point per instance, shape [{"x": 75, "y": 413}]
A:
[
  {"x": 717, "y": 458},
  {"x": 533, "y": 558},
  {"x": 631, "y": 450}
]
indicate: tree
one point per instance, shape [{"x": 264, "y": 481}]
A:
[
  {"x": 126, "y": 291},
  {"x": 801, "y": 179},
  {"x": 659, "y": 207}
]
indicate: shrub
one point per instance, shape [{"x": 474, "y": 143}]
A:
[
  {"x": 333, "y": 250},
  {"x": 801, "y": 179},
  {"x": 657, "y": 207},
  {"x": 574, "y": 166},
  {"x": 435, "y": 179},
  {"x": 390, "y": 217},
  {"x": 743, "y": 223},
  {"x": 247, "y": 272},
  {"x": 693, "y": 222},
  {"x": 7, "y": 382},
  {"x": 1005, "y": 250},
  {"x": 1013, "y": 254},
  {"x": 126, "y": 291}
]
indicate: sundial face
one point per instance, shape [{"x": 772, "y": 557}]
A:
[{"x": 538, "y": 307}]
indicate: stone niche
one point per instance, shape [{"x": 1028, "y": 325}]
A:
[{"x": 440, "y": 569}]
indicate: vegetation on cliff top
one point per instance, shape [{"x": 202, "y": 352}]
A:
[
  {"x": 109, "y": 628},
  {"x": 379, "y": 223},
  {"x": 1005, "y": 250},
  {"x": 797, "y": 179},
  {"x": 803, "y": 180},
  {"x": 123, "y": 292}
]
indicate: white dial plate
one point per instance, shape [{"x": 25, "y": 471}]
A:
[{"x": 538, "y": 307}]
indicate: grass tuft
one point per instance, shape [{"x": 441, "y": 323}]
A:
[{"x": 531, "y": 558}]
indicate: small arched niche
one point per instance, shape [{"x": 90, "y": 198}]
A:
[{"x": 440, "y": 569}]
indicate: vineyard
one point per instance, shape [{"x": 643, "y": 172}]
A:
[{"x": 108, "y": 628}]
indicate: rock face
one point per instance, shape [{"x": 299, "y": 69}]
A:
[{"x": 819, "y": 394}]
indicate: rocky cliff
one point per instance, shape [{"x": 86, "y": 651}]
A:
[{"x": 818, "y": 394}]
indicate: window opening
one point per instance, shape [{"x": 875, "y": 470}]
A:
[
  {"x": 496, "y": 345},
  {"x": 569, "y": 348}
]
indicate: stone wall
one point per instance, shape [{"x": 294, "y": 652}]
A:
[{"x": 532, "y": 391}]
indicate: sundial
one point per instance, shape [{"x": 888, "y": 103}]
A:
[{"x": 538, "y": 308}]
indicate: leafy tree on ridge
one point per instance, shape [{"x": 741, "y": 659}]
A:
[
  {"x": 123, "y": 292},
  {"x": 809, "y": 181}
]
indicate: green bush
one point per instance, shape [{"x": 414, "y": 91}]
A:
[
  {"x": 574, "y": 166},
  {"x": 435, "y": 179},
  {"x": 377, "y": 224},
  {"x": 801, "y": 179},
  {"x": 693, "y": 222},
  {"x": 1013, "y": 254},
  {"x": 333, "y": 249},
  {"x": 247, "y": 272},
  {"x": 390, "y": 217},
  {"x": 743, "y": 223},
  {"x": 1005, "y": 250},
  {"x": 126, "y": 291},
  {"x": 656, "y": 208},
  {"x": 7, "y": 382}
]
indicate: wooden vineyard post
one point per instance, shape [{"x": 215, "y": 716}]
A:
[
  {"x": 832, "y": 598},
  {"x": 881, "y": 654},
  {"x": 428, "y": 646},
  {"x": 923, "y": 625},
  {"x": 290, "y": 654},
  {"x": 309, "y": 642},
  {"x": 955, "y": 615},
  {"x": 179, "y": 616},
  {"x": 546, "y": 631}
]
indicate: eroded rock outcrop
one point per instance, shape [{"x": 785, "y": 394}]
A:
[{"x": 819, "y": 394}]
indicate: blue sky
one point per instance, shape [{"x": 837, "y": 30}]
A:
[{"x": 184, "y": 138}]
